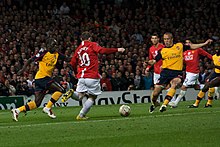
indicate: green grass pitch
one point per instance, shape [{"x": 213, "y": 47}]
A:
[{"x": 179, "y": 127}]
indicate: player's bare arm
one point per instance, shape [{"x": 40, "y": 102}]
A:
[
  {"x": 195, "y": 46},
  {"x": 25, "y": 66}
]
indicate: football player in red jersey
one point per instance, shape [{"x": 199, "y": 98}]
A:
[
  {"x": 86, "y": 58},
  {"x": 191, "y": 60},
  {"x": 153, "y": 51},
  {"x": 212, "y": 81}
]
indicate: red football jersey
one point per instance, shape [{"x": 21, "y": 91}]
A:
[
  {"x": 191, "y": 59},
  {"x": 86, "y": 58},
  {"x": 153, "y": 51}
]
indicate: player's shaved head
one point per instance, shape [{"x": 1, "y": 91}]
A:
[
  {"x": 51, "y": 44},
  {"x": 169, "y": 34}
]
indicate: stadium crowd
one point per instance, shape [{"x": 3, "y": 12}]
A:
[{"x": 25, "y": 26}]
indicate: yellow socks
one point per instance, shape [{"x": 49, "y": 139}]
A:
[
  {"x": 199, "y": 98},
  {"x": 201, "y": 94},
  {"x": 54, "y": 99},
  {"x": 167, "y": 100},
  {"x": 169, "y": 96},
  {"x": 209, "y": 102},
  {"x": 31, "y": 105},
  {"x": 171, "y": 92}
]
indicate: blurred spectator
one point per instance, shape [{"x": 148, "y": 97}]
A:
[
  {"x": 64, "y": 9},
  {"x": 129, "y": 79},
  {"x": 105, "y": 82},
  {"x": 137, "y": 36},
  {"x": 23, "y": 89},
  {"x": 113, "y": 23},
  {"x": 65, "y": 85},
  {"x": 30, "y": 82},
  {"x": 56, "y": 76},
  {"x": 138, "y": 80},
  {"x": 204, "y": 73},
  {"x": 114, "y": 82},
  {"x": 4, "y": 91},
  {"x": 148, "y": 81},
  {"x": 10, "y": 88},
  {"x": 121, "y": 82}
]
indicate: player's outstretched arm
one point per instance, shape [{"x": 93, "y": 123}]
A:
[
  {"x": 195, "y": 46},
  {"x": 25, "y": 66}
]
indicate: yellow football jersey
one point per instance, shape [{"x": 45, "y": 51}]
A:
[
  {"x": 216, "y": 61},
  {"x": 47, "y": 62},
  {"x": 173, "y": 57}
]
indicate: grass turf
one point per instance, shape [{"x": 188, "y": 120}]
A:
[{"x": 175, "y": 127}]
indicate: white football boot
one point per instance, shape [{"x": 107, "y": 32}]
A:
[
  {"x": 15, "y": 113},
  {"x": 49, "y": 112}
]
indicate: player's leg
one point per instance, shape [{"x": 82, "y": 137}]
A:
[
  {"x": 70, "y": 94},
  {"x": 211, "y": 93},
  {"x": 200, "y": 95},
  {"x": 214, "y": 83},
  {"x": 211, "y": 82},
  {"x": 154, "y": 96},
  {"x": 160, "y": 84},
  {"x": 182, "y": 93},
  {"x": 39, "y": 95},
  {"x": 86, "y": 107},
  {"x": 190, "y": 80},
  {"x": 93, "y": 89},
  {"x": 175, "y": 83},
  {"x": 59, "y": 90}
]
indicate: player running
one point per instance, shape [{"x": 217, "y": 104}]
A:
[
  {"x": 47, "y": 59},
  {"x": 172, "y": 64},
  {"x": 212, "y": 81},
  {"x": 191, "y": 60}
]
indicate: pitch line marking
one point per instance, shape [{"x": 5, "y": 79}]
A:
[{"x": 114, "y": 119}]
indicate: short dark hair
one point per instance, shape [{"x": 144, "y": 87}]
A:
[
  {"x": 169, "y": 34},
  {"x": 192, "y": 40},
  {"x": 155, "y": 34},
  {"x": 51, "y": 42},
  {"x": 85, "y": 35}
]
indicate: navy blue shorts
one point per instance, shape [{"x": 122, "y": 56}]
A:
[
  {"x": 167, "y": 75},
  {"x": 43, "y": 84}
]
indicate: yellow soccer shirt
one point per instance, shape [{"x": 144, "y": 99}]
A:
[
  {"x": 172, "y": 57},
  {"x": 47, "y": 62},
  {"x": 216, "y": 61}
]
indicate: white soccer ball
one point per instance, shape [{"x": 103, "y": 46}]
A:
[{"x": 125, "y": 110}]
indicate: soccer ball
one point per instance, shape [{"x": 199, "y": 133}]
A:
[{"x": 124, "y": 110}]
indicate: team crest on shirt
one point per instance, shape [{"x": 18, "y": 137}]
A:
[
  {"x": 178, "y": 47},
  {"x": 188, "y": 57},
  {"x": 54, "y": 56}
]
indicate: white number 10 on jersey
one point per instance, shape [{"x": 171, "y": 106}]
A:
[{"x": 85, "y": 60}]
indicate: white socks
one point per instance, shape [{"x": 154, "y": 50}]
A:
[
  {"x": 86, "y": 107},
  {"x": 180, "y": 96}
]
